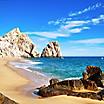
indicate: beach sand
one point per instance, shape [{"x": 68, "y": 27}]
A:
[{"x": 13, "y": 84}]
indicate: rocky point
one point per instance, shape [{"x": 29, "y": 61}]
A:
[
  {"x": 15, "y": 43},
  {"x": 52, "y": 50}
]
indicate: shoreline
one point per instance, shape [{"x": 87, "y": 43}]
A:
[
  {"x": 35, "y": 78},
  {"x": 12, "y": 82}
]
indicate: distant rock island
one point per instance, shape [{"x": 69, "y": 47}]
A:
[
  {"x": 18, "y": 44},
  {"x": 52, "y": 50}
]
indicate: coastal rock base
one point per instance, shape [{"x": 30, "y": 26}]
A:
[
  {"x": 66, "y": 86},
  {"x": 90, "y": 95},
  {"x": 94, "y": 73},
  {"x": 91, "y": 80},
  {"x": 6, "y": 100}
]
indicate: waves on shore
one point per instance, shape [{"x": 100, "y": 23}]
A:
[
  {"x": 26, "y": 65},
  {"x": 66, "y": 68}
]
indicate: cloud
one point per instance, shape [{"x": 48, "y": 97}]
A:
[
  {"x": 73, "y": 27},
  {"x": 65, "y": 24},
  {"x": 90, "y": 41},
  {"x": 78, "y": 26},
  {"x": 59, "y": 21},
  {"x": 97, "y": 5},
  {"x": 97, "y": 20},
  {"x": 72, "y": 24},
  {"x": 69, "y": 28},
  {"x": 54, "y": 22},
  {"x": 47, "y": 34},
  {"x": 78, "y": 30}
]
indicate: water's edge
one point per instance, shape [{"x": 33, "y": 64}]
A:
[{"x": 36, "y": 79}]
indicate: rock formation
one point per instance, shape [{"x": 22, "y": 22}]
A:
[
  {"x": 18, "y": 44},
  {"x": 60, "y": 88},
  {"x": 52, "y": 50},
  {"x": 94, "y": 74},
  {"x": 53, "y": 81},
  {"x": 91, "y": 95},
  {"x": 15, "y": 43},
  {"x": 91, "y": 81},
  {"x": 66, "y": 86},
  {"x": 6, "y": 100},
  {"x": 89, "y": 85}
]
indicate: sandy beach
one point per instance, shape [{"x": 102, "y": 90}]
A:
[{"x": 14, "y": 82}]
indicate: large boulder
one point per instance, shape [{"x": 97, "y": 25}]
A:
[
  {"x": 91, "y": 80},
  {"x": 89, "y": 85},
  {"x": 52, "y": 50},
  {"x": 53, "y": 81},
  {"x": 65, "y": 87},
  {"x": 60, "y": 88},
  {"x": 95, "y": 74},
  {"x": 15, "y": 43}
]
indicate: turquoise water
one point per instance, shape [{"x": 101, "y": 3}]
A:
[{"x": 67, "y": 67}]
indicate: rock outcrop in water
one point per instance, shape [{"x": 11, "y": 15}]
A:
[
  {"x": 6, "y": 100},
  {"x": 66, "y": 86},
  {"x": 70, "y": 87},
  {"x": 15, "y": 43},
  {"x": 52, "y": 50},
  {"x": 94, "y": 74}
]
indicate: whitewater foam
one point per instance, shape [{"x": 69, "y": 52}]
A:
[{"x": 73, "y": 78}]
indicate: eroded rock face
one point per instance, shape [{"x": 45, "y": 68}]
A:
[
  {"x": 90, "y": 95},
  {"x": 60, "y": 88},
  {"x": 53, "y": 81},
  {"x": 64, "y": 87},
  {"x": 15, "y": 43},
  {"x": 89, "y": 85},
  {"x": 71, "y": 87},
  {"x": 52, "y": 50},
  {"x": 94, "y": 74},
  {"x": 6, "y": 100}
]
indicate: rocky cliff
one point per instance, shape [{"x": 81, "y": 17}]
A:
[
  {"x": 52, "y": 50},
  {"x": 15, "y": 43},
  {"x": 6, "y": 100},
  {"x": 18, "y": 44}
]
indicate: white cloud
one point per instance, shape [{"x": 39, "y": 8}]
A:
[
  {"x": 72, "y": 24},
  {"x": 78, "y": 30},
  {"x": 69, "y": 28},
  {"x": 98, "y": 20},
  {"x": 86, "y": 10},
  {"x": 59, "y": 21},
  {"x": 78, "y": 26},
  {"x": 54, "y": 22},
  {"x": 95, "y": 21},
  {"x": 48, "y": 34},
  {"x": 51, "y": 22},
  {"x": 90, "y": 41},
  {"x": 73, "y": 27}
]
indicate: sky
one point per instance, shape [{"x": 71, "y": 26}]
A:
[{"x": 78, "y": 25}]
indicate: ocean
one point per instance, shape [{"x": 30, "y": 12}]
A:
[{"x": 62, "y": 68}]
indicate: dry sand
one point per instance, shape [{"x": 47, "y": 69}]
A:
[{"x": 11, "y": 82}]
